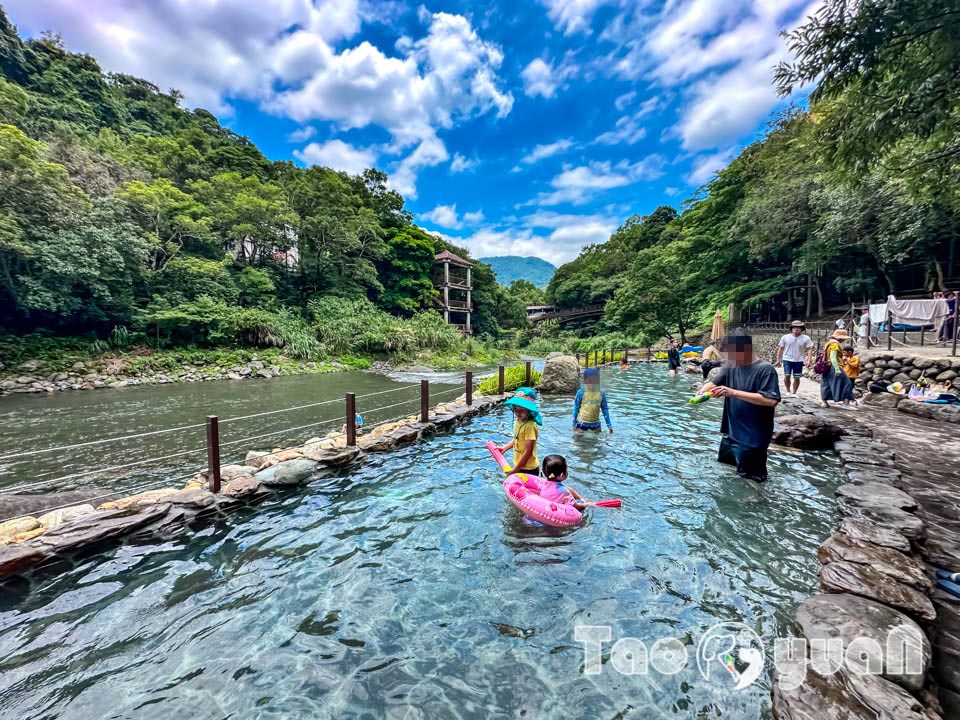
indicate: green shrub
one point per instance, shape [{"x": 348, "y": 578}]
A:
[{"x": 514, "y": 377}]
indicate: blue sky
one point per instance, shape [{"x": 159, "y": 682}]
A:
[{"x": 525, "y": 128}]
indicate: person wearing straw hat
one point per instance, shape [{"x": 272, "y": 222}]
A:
[
  {"x": 525, "y": 435},
  {"x": 750, "y": 392},
  {"x": 794, "y": 350},
  {"x": 835, "y": 386}
]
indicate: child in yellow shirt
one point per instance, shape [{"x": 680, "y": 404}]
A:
[{"x": 526, "y": 432}]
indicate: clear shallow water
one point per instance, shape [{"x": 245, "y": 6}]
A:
[{"x": 412, "y": 589}]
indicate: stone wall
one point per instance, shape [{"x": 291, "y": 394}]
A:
[
  {"x": 905, "y": 368},
  {"x": 874, "y": 583}
]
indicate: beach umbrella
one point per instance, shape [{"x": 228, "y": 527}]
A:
[{"x": 718, "y": 330}]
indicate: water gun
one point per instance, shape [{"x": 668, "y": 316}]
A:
[{"x": 702, "y": 397}]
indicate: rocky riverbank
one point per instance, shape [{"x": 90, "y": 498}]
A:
[
  {"x": 30, "y": 540},
  {"x": 876, "y": 592}
]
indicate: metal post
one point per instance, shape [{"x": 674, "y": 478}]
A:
[
  {"x": 869, "y": 341},
  {"x": 956, "y": 308},
  {"x": 351, "y": 419},
  {"x": 500, "y": 379},
  {"x": 923, "y": 330},
  {"x": 649, "y": 353},
  {"x": 213, "y": 454},
  {"x": 469, "y": 388},
  {"x": 889, "y": 331},
  {"x": 603, "y": 357},
  {"x": 528, "y": 373},
  {"x": 425, "y": 401}
]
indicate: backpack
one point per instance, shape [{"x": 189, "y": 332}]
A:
[{"x": 821, "y": 364}]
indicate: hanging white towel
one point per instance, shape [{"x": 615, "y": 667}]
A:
[
  {"x": 918, "y": 312},
  {"x": 878, "y": 314}
]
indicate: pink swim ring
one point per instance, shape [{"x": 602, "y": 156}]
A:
[{"x": 532, "y": 496}]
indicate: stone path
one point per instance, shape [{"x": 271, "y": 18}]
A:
[{"x": 928, "y": 455}]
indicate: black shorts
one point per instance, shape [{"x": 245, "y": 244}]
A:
[
  {"x": 751, "y": 463},
  {"x": 707, "y": 365}
]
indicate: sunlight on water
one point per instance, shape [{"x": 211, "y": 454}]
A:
[{"x": 412, "y": 589}]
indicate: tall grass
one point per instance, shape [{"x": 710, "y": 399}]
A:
[{"x": 514, "y": 377}]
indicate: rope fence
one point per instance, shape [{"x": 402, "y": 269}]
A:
[{"x": 214, "y": 447}]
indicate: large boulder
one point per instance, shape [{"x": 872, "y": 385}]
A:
[
  {"x": 883, "y": 399},
  {"x": 904, "y": 648},
  {"x": 806, "y": 431},
  {"x": 561, "y": 375},
  {"x": 291, "y": 472}
]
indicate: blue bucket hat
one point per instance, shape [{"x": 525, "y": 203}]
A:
[
  {"x": 591, "y": 372},
  {"x": 527, "y": 392},
  {"x": 526, "y": 404}
]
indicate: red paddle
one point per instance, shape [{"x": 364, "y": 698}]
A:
[{"x": 502, "y": 462}]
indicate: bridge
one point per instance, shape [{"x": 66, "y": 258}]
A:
[{"x": 543, "y": 314}]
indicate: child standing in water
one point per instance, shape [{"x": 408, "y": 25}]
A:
[
  {"x": 555, "y": 471},
  {"x": 525, "y": 435},
  {"x": 590, "y": 402}
]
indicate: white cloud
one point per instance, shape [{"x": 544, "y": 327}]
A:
[
  {"x": 559, "y": 246},
  {"x": 210, "y": 51},
  {"x": 720, "y": 55},
  {"x": 578, "y": 185},
  {"x": 461, "y": 164},
  {"x": 572, "y": 16},
  {"x": 621, "y": 102},
  {"x": 705, "y": 166},
  {"x": 543, "y": 78},
  {"x": 541, "y": 152},
  {"x": 628, "y": 131},
  {"x": 671, "y": 191},
  {"x": 338, "y": 155},
  {"x": 446, "y": 216},
  {"x": 302, "y": 134},
  {"x": 292, "y": 58},
  {"x": 431, "y": 151}
]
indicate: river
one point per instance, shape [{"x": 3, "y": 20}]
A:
[{"x": 409, "y": 587}]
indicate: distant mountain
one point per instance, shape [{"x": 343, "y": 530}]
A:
[{"x": 511, "y": 267}]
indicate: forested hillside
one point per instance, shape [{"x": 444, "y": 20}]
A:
[
  {"x": 853, "y": 198},
  {"x": 123, "y": 215},
  {"x": 508, "y": 268}
]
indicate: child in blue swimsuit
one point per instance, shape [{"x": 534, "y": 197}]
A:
[{"x": 590, "y": 402}]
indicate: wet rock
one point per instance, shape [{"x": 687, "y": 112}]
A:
[
  {"x": 946, "y": 634},
  {"x": 806, "y": 432},
  {"x": 57, "y": 518},
  {"x": 905, "y": 650},
  {"x": 871, "y": 492},
  {"x": 406, "y": 434},
  {"x": 17, "y": 558},
  {"x": 11, "y": 528},
  {"x": 908, "y": 525},
  {"x": 847, "y": 577},
  {"x": 561, "y": 375},
  {"x": 862, "y": 445},
  {"x": 230, "y": 472},
  {"x": 259, "y": 459},
  {"x": 943, "y": 413},
  {"x": 100, "y": 525},
  {"x": 871, "y": 533},
  {"x": 375, "y": 443},
  {"x": 336, "y": 457},
  {"x": 145, "y": 498},
  {"x": 893, "y": 563},
  {"x": 292, "y": 472},
  {"x": 884, "y": 459},
  {"x": 884, "y": 399},
  {"x": 872, "y": 473},
  {"x": 241, "y": 486},
  {"x": 264, "y": 373},
  {"x": 845, "y": 696},
  {"x": 197, "y": 497}
]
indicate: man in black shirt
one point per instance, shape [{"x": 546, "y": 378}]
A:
[{"x": 750, "y": 394}]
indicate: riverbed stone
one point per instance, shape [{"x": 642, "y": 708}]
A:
[
  {"x": 291, "y": 472},
  {"x": 17, "y": 558},
  {"x": 196, "y": 497},
  {"x": 145, "y": 498},
  {"x": 56, "y": 518},
  {"x": 872, "y": 492},
  {"x": 11, "y": 528},
  {"x": 845, "y": 696},
  {"x": 883, "y": 459},
  {"x": 100, "y": 525},
  {"x": 872, "y": 533},
  {"x": 848, "y": 577},
  {"x": 907, "y": 524},
  {"x": 334, "y": 457},
  {"x": 893, "y": 563},
  {"x": 806, "y": 432},
  {"x": 946, "y": 634},
  {"x": 857, "y": 472},
  {"x": 241, "y": 486},
  {"x": 561, "y": 375},
  {"x": 905, "y": 649},
  {"x": 883, "y": 399},
  {"x": 229, "y": 472}
]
